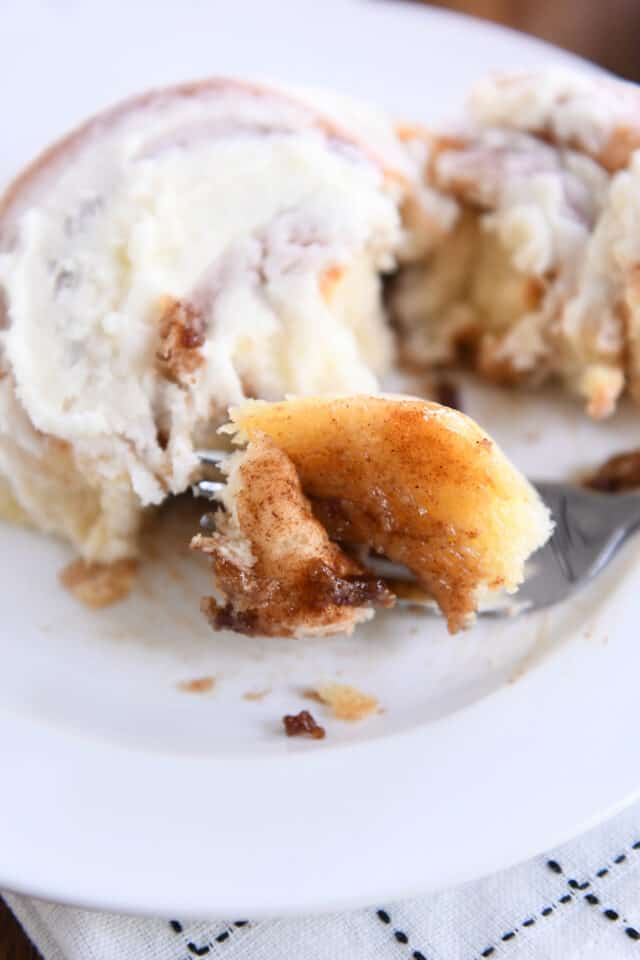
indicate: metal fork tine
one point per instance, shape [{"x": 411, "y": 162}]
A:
[
  {"x": 589, "y": 528},
  {"x": 207, "y": 488},
  {"x": 212, "y": 458},
  {"x": 210, "y": 488}
]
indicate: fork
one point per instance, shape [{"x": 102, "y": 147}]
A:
[{"x": 590, "y": 527}]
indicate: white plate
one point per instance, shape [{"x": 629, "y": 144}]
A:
[{"x": 120, "y": 791}]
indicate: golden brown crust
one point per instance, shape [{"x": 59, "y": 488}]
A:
[
  {"x": 406, "y": 479},
  {"x": 274, "y": 564},
  {"x": 390, "y": 524},
  {"x": 412, "y": 481},
  {"x": 312, "y": 600},
  {"x": 98, "y": 585},
  {"x": 447, "y": 573}
]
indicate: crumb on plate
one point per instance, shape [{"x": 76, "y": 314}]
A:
[
  {"x": 302, "y": 725},
  {"x": 346, "y": 702},
  {"x": 618, "y": 473},
  {"x": 99, "y": 584},
  {"x": 198, "y": 685},
  {"x": 253, "y": 695},
  {"x": 311, "y": 694}
]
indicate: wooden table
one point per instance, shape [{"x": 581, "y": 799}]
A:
[
  {"x": 605, "y": 32},
  {"x": 13, "y": 943}
]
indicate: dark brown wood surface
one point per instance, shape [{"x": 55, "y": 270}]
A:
[
  {"x": 605, "y": 31},
  {"x": 13, "y": 943}
]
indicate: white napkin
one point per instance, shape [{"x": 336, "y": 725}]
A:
[{"x": 581, "y": 900}]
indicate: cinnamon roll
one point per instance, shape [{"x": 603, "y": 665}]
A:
[
  {"x": 414, "y": 481},
  {"x": 538, "y": 276},
  {"x": 178, "y": 253}
]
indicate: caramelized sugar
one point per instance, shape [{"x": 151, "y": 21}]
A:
[{"x": 416, "y": 482}]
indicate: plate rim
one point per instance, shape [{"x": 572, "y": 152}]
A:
[
  {"x": 33, "y": 753},
  {"x": 480, "y": 756}
]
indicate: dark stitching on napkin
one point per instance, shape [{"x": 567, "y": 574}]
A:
[
  {"x": 201, "y": 950},
  {"x": 590, "y": 898},
  {"x": 578, "y": 886},
  {"x": 547, "y": 911},
  {"x": 399, "y": 935},
  {"x": 529, "y": 922},
  {"x": 198, "y": 951}
]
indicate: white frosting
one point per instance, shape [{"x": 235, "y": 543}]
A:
[
  {"x": 574, "y": 108},
  {"x": 234, "y": 202},
  {"x": 539, "y": 268}
]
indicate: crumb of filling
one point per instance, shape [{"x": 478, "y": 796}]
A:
[
  {"x": 181, "y": 335},
  {"x": 302, "y": 725},
  {"x": 278, "y": 570},
  {"x": 618, "y": 473},
  {"x": 99, "y": 585}
]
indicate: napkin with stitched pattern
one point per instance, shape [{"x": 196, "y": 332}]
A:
[{"x": 581, "y": 900}]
